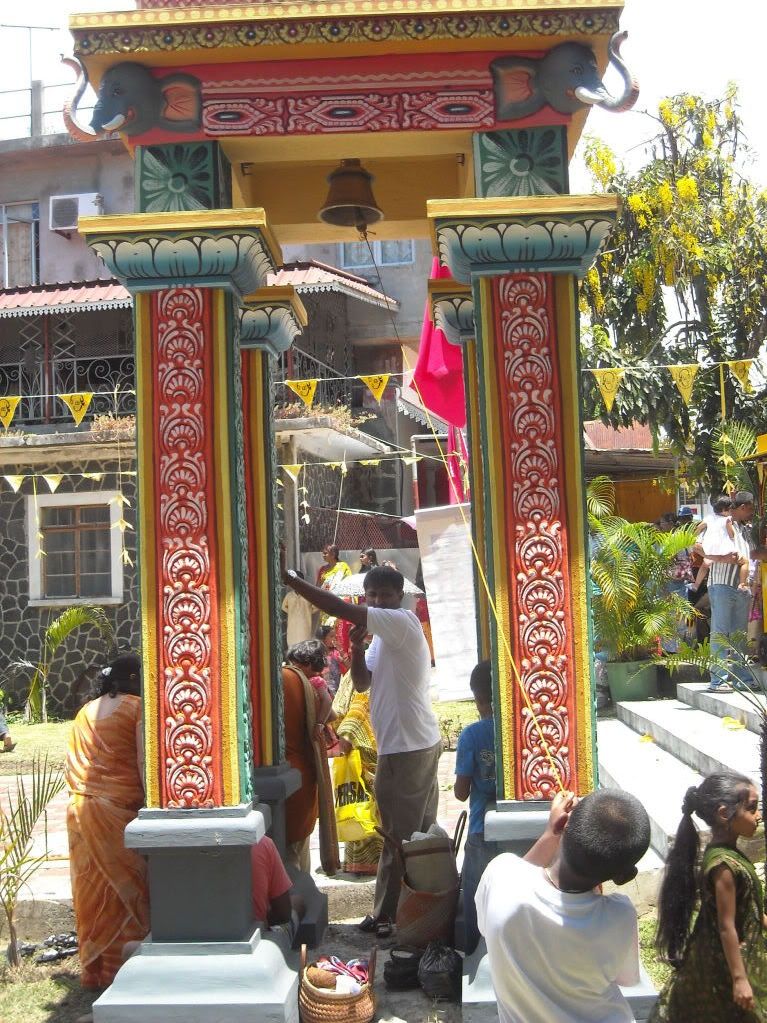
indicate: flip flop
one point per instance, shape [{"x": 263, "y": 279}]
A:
[
  {"x": 384, "y": 929},
  {"x": 368, "y": 925}
]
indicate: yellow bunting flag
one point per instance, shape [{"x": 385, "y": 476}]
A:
[
  {"x": 684, "y": 377},
  {"x": 14, "y": 482},
  {"x": 370, "y": 461},
  {"x": 122, "y": 525},
  {"x": 740, "y": 369},
  {"x": 97, "y": 476},
  {"x": 293, "y": 470},
  {"x": 8, "y": 409},
  {"x": 376, "y": 384},
  {"x": 53, "y": 479},
  {"x": 304, "y": 389},
  {"x": 608, "y": 382},
  {"x": 411, "y": 459},
  {"x": 77, "y": 403},
  {"x": 333, "y": 465},
  {"x": 126, "y": 558}
]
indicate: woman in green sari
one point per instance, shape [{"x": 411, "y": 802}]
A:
[
  {"x": 355, "y": 732},
  {"x": 720, "y": 965}
]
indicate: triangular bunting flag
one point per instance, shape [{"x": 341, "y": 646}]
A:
[
  {"x": 97, "y": 476},
  {"x": 376, "y": 384},
  {"x": 684, "y": 377},
  {"x": 293, "y": 470},
  {"x": 411, "y": 459},
  {"x": 53, "y": 479},
  {"x": 77, "y": 403},
  {"x": 122, "y": 525},
  {"x": 608, "y": 382},
  {"x": 126, "y": 558},
  {"x": 370, "y": 461},
  {"x": 14, "y": 482},
  {"x": 8, "y": 409},
  {"x": 740, "y": 369},
  {"x": 304, "y": 389}
]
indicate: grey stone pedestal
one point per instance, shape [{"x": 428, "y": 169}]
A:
[{"x": 206, "y": 959}]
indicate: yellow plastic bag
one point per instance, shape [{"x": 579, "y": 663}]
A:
[{"x": 356, "y": 815}]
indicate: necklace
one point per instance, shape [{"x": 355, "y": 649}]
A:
[{"x": 553, "y": 883}]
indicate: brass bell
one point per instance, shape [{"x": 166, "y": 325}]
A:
[{"x": 350, "y": 201}]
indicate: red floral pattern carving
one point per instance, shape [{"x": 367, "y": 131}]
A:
[
  {"x": 185, "y": 534},
  {"x": 541, "y": 621}
]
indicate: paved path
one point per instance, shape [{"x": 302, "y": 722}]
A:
[{"x": 51, "y": 882}]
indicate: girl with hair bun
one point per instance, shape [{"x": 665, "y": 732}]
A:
[{"x": 720, "y": 963}]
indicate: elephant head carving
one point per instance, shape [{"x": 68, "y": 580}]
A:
[
  {"x": 566, "y": 79},
  {"x": 130, "y": 99}
]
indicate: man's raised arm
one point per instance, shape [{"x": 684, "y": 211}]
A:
[{"x": 325, "y": 601}]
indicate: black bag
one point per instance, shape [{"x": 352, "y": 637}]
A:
[{"x": 440, "y": 972}]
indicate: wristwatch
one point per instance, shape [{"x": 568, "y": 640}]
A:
[{"x": 291, "y": 574}]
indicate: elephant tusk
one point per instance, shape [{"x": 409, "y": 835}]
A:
[
  {"x": 69, "y": 110},
  {"x": 116, "y": 123}
]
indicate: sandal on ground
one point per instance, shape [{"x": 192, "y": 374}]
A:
[
  {"x": 401, "y": 971},
  {"x": 384, "y": 928},
  {"x": 368, "y": 925},
  {"x": 9, "y": 749},
  {"x": 723, "y": 688}
]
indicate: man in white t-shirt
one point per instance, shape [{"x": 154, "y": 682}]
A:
[
  {"x": 396, "y": 669},
  {"x": 558, "y": 949}
]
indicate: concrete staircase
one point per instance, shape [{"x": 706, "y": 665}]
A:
[{"x": 656, "y": 749}]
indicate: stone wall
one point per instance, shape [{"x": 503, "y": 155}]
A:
[{"x": 22, "y": 626}]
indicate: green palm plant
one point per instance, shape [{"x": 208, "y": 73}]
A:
[
  {"x": 18, "y": 818},
  {"x": 57, "y": 633},
  {"x": 631, "y": 564}
]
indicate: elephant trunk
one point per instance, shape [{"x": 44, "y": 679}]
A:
[
  {"x": 600, "y": 97},
  {"x": 70, "y": 107}
]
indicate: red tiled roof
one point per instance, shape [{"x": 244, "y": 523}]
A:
[
  {"x": 315, "y": 276},
  {"x": 81, "y": 297},
  {"x": 627, "y": 438}
]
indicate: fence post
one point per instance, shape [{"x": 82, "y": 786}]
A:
[{"x": 36, "y": 109}]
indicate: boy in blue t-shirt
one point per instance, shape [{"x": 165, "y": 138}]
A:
[{"x": 475, "y": 781}]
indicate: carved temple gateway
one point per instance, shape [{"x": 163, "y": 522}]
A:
[{"x": 466, "y": 112}]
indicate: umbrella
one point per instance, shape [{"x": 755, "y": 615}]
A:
[{"x": 354, "y": 586}]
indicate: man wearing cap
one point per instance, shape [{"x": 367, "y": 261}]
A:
[{"x": 729, "y": 604}]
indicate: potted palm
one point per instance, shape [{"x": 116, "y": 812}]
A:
[{"x": 632, "y": 606}]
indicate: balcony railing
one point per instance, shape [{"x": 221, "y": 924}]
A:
[
  {"x": 112, "y": 381},
  {"x": 36, "y": 110}
]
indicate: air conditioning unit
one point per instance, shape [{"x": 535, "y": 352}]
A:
[{"x": 65, "y": 209}]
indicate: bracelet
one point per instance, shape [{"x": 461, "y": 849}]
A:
[{"x": 291, "y": 574}]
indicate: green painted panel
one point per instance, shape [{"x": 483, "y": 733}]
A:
[
  {"x": 182, "y": 176},
  {"x": 526, "y": 161}
]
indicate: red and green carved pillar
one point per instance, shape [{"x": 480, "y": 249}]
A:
[{"x": 522, "y": 257}]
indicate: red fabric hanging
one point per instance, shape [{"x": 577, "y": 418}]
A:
[{"x": 439, "y": 370}]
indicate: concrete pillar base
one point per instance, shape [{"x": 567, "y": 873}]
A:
[{"x": 205, "y": 982}]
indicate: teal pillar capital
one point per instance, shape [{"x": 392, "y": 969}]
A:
[
  {"x": 559, "y": 234},
  {"x": 271, "y": 318},
  {"x": 230, "y": 249},
  {"x": 452, "y": 310}
]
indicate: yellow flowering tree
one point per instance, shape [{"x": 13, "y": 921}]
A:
[{"x": 683, "y": 278}]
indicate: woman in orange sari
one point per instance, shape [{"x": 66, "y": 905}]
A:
[{"x": 103, "y": 774}]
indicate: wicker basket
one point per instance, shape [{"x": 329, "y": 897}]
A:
[{"x": 320, "y": 1005}]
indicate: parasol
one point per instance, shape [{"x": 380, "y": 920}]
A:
[{"x": 354, "y": 586}]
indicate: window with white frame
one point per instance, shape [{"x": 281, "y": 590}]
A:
[
  {"x": 75, "y": 554},
  {"x": 19, "y": 244},
  {"x": 357, "y": 255}
]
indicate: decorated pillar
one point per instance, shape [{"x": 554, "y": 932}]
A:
[
  {"x": 188, "y": 272},
  {"x": 522, "y": 257}
]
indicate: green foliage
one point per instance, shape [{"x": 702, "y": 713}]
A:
[
  {"x": 683, "y": 279},
  {"x": 18, "y": 817},
  {"x": 630, "y": 567},
  {"x": 56, "y": 634}
]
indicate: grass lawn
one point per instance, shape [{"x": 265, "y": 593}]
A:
[
  {"x": 43, "y": 994},
  {"x": 34, "y": 740},
  {"x": 453, "y": 715},
  {"x": 659, "y": 972}
]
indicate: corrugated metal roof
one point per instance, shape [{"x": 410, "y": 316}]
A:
[
  {"x": 81, "y": 297},
  {"x": 315, "y": 276},
  {"x": 627, "y": 438}
]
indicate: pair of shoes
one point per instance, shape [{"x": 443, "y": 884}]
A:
[
  {"x": 368, "y": 925},
  {"x": 380, "y": 926},
  {"x": 384, "y": 928}
]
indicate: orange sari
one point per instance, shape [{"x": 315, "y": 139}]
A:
[{"x": 109, "y": 891}]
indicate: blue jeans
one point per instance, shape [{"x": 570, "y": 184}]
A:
[
  {"x": 477, "y": 854},
  {"x": 729, "y": 613}
]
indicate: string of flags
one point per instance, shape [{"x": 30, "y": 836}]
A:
[
  {"x": 306, "y": 389},
  {"x": 609, "y": 380},
  {"x": 78, "y": 403}
]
